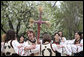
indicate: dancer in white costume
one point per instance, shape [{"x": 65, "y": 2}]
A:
[
  {"x": 8, "y": 45},
  {"x": 63, "y": 39},
  {"x": 32, "y": 42},
  {"x": 21, "y": 45},
  {"x": 79, "y": 44},
  {"x": 29, "y": 48},
  {"x": 47, "y": 48},
  {"x": 72, "y": 46}
]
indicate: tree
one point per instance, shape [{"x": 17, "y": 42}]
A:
[
  {"x": 68, "y": 18},
  {"x": 71, "y": 16}
]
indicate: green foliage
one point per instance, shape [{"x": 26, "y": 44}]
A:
[{"x": 68, "y": 18}]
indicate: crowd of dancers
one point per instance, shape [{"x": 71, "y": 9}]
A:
[{"x": 58, "y": 46}]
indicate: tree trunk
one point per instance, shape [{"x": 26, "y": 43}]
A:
[
  {"x": 3, "y": 30},
  {"x": 10, "y": 24},
  {"x": 18, "y": 28}
]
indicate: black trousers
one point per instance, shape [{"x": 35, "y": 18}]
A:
[
  {"x": 79, "y": 54},
  {"x": 58, "y": 54}
]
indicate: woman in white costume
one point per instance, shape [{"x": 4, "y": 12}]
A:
[
  {"x": 8, "y": 45},
  {"x": 79, "y": 44},
  {"x": 75, "y": 46},
  {"x": 21, "y": 45}
]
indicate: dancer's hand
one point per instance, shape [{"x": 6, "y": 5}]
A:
[
  {"x": 33, "y": 46},
  {"x": 19, "y": 46}
]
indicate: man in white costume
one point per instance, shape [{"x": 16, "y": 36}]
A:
[{"x": 32, "y": 42}]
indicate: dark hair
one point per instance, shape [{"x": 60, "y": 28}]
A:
[
  {"x": 10, "y": 35},
  {"x": 46, "y": 37},
  {"x": 54, "y": 35},
  {"x": 79, "y": 33},
  {"x": 62, "y": 33},
  {"x": 22, "y": 35},
  {"x": 31, "y": 31}
]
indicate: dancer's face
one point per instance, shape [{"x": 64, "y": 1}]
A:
[
  {"x": 77, "y": 36},
  {"x": 30, "y": 35},
  {"x": 56, "y": 36},
  {"x": 21, "y": 38}
]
